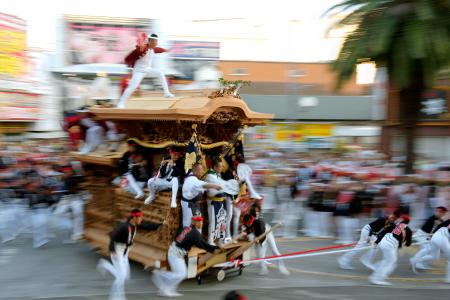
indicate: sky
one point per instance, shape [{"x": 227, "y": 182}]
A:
[{"x": 294, "y": 24}]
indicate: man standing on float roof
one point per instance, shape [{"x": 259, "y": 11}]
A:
[{"x": 140, "y": 59}]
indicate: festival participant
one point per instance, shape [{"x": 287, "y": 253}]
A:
[
  {"x": 217, "y": 211},
  {"x": 134, "y": 168},
  {"x": 423, "y": 236},
  {"x": 120, "y": 243},
  {"x": 253, "y": 228},
  {"x": 168, "y": 282},
  {"x": 169, "y": 176},
  {"x": 140, "y": 60},
  {"x": 368, "y": 234},
  {"x": 192, "y": 188},
  {"x": 389, "y": 243}
]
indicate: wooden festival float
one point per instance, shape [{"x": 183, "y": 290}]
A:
[{"x": 156, "y": 123}]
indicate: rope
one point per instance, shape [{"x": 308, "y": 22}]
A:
[{"x": 298, "y": 254}]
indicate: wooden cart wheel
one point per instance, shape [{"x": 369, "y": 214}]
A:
[
  {"x": 221, "y": 275},
  {"x": 199, "y": 280}
]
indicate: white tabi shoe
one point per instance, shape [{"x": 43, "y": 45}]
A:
[
  {"x": 422, "y": 266},
  {"x": 227, "y": 240},
  {"x": 263, "y": 271},
  {"x": 380, "y": 282},
  {"x": 284, "y": 271},
  {"x": 367, "y": 264},
  {"x": 149, "y": 199},
  {"x": 169, "y": 95},
  {"x": 344, "y": 265},
  {"x": 100, "y": 268}
]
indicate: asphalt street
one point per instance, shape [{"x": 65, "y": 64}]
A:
[{"x": 59, "y": 271}]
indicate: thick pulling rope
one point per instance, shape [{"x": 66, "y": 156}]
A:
[
  {"x": 303, "y": 253},
  {"x": 297, "y": 254}
]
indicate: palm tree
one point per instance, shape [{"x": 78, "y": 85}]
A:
[{"x": 411, "y": 38}]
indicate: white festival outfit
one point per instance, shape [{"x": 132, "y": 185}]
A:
[
  {"x": 166, "y": 179},
  {"x": 217, "y": 211},
  {"x": 192, "y": 188},
  {"x": 142, "y": 68}
]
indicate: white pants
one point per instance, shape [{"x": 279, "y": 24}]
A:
[
  {"x": 309, "y": 223},
  {"x": 322, "y": 223},
  {"x": 113, "y": 136},
  {"x": 251, "y": 190},
  {"x": 187, "y": 213},
  {"x": 229, "y": 207},
  {"x": 236, "y": 220},
  {"x": 363, "y": 242},
  {"x": 64, "y": 219},
  {"x": 135, "y": 186},
  {"x": 94, "y": 138},
  {"x": 156, "y": 185},
  {"x": 389, "y": 250},
  {"x": 345, "y": 227},
  {"x": 425, "y": 247},
  {"x": 439, "y": 241},
  {"x": 136, "y": 79},
  {"x": 7, "y": 222},
  {"x": 120, "y": 269},
  {"x": 171, "y": 280},
  {"x": 262, "y": 250},
  {"x": 39, "y": 220}
]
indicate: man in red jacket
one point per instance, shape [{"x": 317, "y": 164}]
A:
[{"x": 140, "y": 59}]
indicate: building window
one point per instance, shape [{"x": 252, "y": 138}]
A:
[
  {"x": 239, "y": 72},
  {"x": 296, "y": 73}
]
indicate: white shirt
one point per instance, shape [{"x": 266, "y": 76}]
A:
[
  {"x": 88, "y": 122},
  {"x": 192, "y": 187},
  {"x": 212, "y": 178},
  {"x": 145, "y": 62}
]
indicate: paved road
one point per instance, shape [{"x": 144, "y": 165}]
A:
[{"x": 68, "y": 272}]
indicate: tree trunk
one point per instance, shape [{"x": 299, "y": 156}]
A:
[{"x": 410, "y": 99}]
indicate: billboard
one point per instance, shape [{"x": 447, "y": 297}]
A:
[
  {"x": 18, "y": 106},
  {"x": 89, "y": 40},
  {"x": 191, "y": 56},
  {"x": 299, "y": 132},
  {"x": 434, "y": 105},
  {"x": 195, "y": 50},
  {"x": 13, "y": 48}
]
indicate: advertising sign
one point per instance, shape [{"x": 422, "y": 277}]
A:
[
  {"x": 298, "y": 132},
  {"x": 191, "y": 56},
  {"x": 18, "y": 106},
  {"x": 434, "y": 105},
  {"x": 13, "y": 47},
  {"x": 90, "y": 40},
  {"x": 195, "y": 50}
]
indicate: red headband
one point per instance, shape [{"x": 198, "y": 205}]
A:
[
  {"x": 197, "y": 218},
  {"x": 406, "y": 218},
  {"x": 136, "y": 214},
  {"x": 251, "y": 220}
]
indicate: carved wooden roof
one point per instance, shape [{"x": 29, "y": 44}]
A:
[{"x": 187, "y": 106}]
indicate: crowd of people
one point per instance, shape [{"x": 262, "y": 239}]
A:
[
  {"x": 331, "y": 196},
  {"x": 41, "y": 194},
  {"x": 343, "y": 190},
  {"x": 334, "y": 195}
]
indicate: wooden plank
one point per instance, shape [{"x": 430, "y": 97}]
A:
[{"x": 211, "y": 261}]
